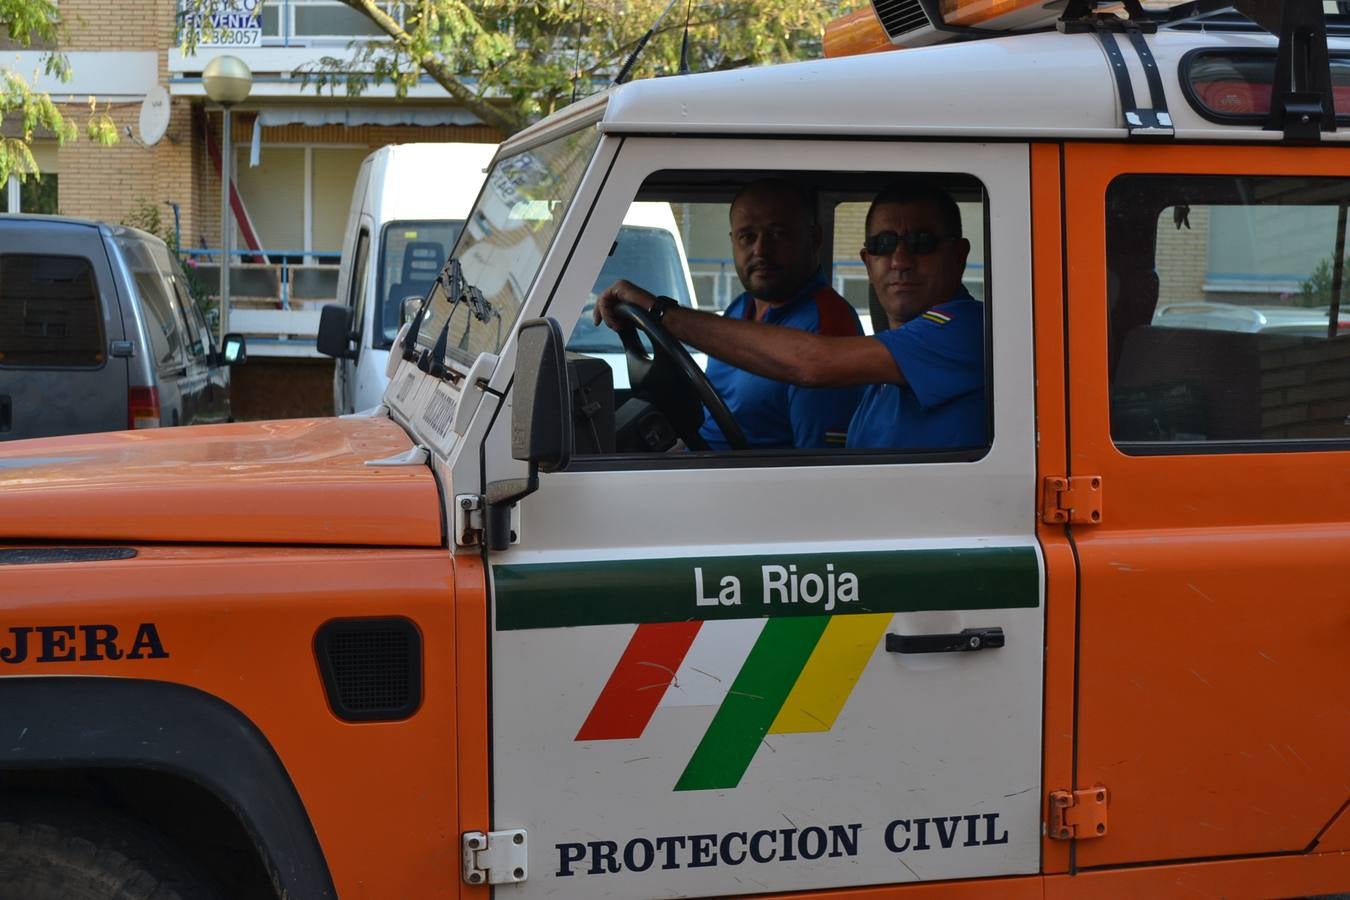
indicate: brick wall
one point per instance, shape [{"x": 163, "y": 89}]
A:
[{"x": 1183, "y": 257}]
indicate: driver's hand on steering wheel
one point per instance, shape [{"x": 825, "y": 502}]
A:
[{"x": 620, "y": 291}]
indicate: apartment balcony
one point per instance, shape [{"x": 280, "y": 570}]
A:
[{"x": 276, "y": 305}]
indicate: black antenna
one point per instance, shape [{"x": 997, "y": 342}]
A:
[
  {"x": 576, "y": 66},
  {"x": 684, "y": 41},
  {"x": 632, "y": 57}
]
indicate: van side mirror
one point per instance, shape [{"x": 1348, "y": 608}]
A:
[
  {"x": 541, "y": 422},
  {"x": 335, "y": 332},
  {"x": 233, "y": 349},
  {"x": 411, "y": 304}
]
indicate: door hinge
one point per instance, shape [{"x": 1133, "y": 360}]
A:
[
  {"x": 1078, "y": 815},
  {"x": 497, "y": 857},
  {"x": 1077, "y": 500},
  {"x": 468, "y": 520}
]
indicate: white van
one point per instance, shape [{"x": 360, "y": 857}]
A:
[{"x": 407, "y": 211}]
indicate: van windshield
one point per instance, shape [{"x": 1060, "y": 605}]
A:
[
  {"x": 508, "y": 233},
  {"x": 646, "y": 256},
  {"x": 411, "y": 255}
]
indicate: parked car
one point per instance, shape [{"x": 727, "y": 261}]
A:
[
  {"x": 98, "y": 332},
  {"x": 1213, "y": 316},
  {"x": 408, "y": 207}
]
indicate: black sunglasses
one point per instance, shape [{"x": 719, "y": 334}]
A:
[{"x": 918, "y": 243}]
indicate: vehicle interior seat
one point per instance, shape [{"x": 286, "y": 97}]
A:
[
  {"x": 1177, "y": 384},
  {"x": 422, "y": 261}
]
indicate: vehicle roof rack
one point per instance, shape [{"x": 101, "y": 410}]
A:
[{"x": 1301, "y": 103}]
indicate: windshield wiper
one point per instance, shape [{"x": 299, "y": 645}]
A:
[{"x": 458, "y": 292}]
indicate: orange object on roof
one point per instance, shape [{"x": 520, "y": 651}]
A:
[{"x": 302, "y": 481}]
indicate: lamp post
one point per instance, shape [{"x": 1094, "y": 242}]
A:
[{"x": 227, "y": 80}]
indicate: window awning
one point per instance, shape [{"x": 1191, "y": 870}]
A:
[{"x": 352, "y": 116}]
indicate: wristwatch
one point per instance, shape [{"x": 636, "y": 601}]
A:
[{"x": 660, "y": 306}]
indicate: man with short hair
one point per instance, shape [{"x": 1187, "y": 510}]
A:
[
  {"x": 924, "y": 375},
  {"x": 775, "y": 243}
]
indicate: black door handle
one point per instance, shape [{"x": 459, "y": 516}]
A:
[{"x": 968, "y": 640}]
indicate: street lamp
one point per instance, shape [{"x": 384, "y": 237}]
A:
[{"x": 227, "y": 80}]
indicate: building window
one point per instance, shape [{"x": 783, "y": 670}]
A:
[{"x": 34, "y": 194}]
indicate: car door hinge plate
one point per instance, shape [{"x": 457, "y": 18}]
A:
[
  {"x": 1078, "y": 815},
  {"x": 1077, "y": 500},
  {"x": 468, "y": 512},
  {"x": 495, "y": 857}
]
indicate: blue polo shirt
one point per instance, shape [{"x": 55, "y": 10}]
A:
[
  {"x": 774, "y": 414},
  {"x": 942, "y": 403}
]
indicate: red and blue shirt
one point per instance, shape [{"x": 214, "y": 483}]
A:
[{"x": 777, "y": 415}]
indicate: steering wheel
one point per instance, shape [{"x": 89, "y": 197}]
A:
[{"x": 671, "y": 379}]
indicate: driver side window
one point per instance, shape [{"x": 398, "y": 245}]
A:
[{"x": 782, "y": 249}]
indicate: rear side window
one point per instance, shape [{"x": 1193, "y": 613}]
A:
[
  {"x": 161, "y": 318},
  {"x": 1228, "y": 316},
  {"x": 50, "y": 314}
]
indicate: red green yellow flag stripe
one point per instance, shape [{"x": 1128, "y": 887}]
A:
[
  {"x": 752, "y": 704},
  {"x": 827, "y": 679},
  {"x": 639, "y": 681}
]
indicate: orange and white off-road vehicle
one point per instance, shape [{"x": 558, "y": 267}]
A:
[{"x": 493, "y": 640}]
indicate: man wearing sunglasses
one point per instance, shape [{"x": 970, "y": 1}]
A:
[
  {"x": 924, "y": 374},
  {"x": 775, "y": 245}
]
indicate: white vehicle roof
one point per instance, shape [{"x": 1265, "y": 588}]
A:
[
  {"x": 426, "y": 181},
  {"x": 1046, "y": 85}
]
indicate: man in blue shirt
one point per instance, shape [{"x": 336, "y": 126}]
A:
[
  {"x": 924, "y": 375},
  {"x": 775, "y": 244}
]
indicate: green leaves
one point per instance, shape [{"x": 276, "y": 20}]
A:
[
  {"x": 32, "y": 22},
  {"x": 511, "y": 62}
]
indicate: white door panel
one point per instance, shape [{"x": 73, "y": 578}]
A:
[{"x": 690, "y": 698}]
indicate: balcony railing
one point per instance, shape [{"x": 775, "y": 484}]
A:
[{"x": 276, "y": 305}]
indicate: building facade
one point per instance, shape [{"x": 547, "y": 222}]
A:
[{"x": 296, "y": 150}]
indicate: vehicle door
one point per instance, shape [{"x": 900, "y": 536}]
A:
[
  {"x": 695, "y": 690},
  {"x": 203, "y": 386},
  {"x": 180, "y": 384},
  {"x": 63, "y": 356},
  {"x": 1213, "y": 686},
  {"x": 353, "y": 294}
]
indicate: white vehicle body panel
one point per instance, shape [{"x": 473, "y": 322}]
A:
[{"x": 912, "y": 740}]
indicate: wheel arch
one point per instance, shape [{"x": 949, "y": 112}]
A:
[{"x": 133, "y": 740}]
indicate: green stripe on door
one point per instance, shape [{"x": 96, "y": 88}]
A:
[
  {"x": 752, "y": 704},
  {"x": 612, "y": 592}
]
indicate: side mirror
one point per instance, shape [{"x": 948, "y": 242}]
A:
[
  {"x": 411, "y": 304},
  {"x": 541, "y": 413},
  {"x": 541, "y": 422},
  {"x": 335, "y": 332},
  {"x": 233, "y": 349}
]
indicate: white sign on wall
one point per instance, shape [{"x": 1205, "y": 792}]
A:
[{"x": 228, "y": 23}]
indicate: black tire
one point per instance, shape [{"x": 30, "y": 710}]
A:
[{"x": 71, "y": 854}]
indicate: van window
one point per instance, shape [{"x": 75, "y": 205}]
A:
[
  {"x": 161, "y": 319},
  {"x": 411, "y": 256},
  {"x": 196, "y": 335},
  {"x": 1228, "y": 321},
  {"x": 50, "y": 314}
]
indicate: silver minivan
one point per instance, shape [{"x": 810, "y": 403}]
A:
[{"x": 99, "y": 332}]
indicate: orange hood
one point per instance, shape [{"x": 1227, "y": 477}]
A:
[{"x": 300, "y": 481}]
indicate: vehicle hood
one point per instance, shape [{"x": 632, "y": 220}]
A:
[{"x": 300, "y": 481}]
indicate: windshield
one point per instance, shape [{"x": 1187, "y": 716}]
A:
[
  {"x": 411, "y": 255},
  {"x": 646, "y": 256},
  {"x": 505, "y": 239}
]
